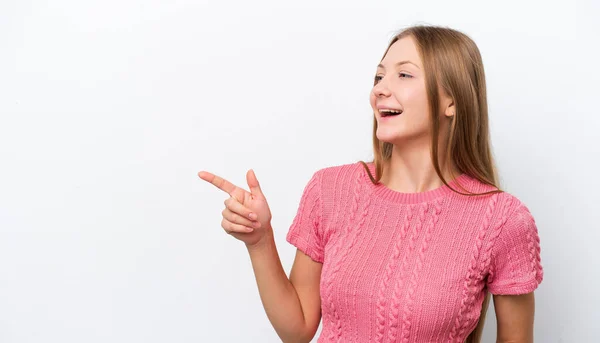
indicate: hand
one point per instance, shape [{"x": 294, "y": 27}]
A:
[{"x": 246, "y": 216}]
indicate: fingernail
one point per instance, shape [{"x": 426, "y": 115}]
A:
[
  {"x": 249, "y": 229},
  {"x": 252, "y": 216}
]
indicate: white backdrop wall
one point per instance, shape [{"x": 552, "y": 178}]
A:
[{"x": 108, "y": 109}]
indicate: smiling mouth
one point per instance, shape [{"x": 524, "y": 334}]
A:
[{"x": 390, "y": 114}]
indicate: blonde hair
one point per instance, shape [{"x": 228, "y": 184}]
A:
[{"x": 451, "y": 60}]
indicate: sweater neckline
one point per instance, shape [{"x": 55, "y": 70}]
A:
[{"x": 382, "y": 191}]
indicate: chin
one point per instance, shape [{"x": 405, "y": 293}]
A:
[
  {"x": 397, "y": 136},
  {"x": 390, "y": 136},
  {"x": 390, "y": 139}
]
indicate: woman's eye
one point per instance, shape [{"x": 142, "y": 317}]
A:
[{"x": 402, "y": 75}]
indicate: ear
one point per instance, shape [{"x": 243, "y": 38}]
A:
[{"x": 450, "y": 109}]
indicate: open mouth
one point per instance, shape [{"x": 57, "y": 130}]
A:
[{"x": 389, "y": 113}]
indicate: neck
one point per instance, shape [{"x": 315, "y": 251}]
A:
[{"x": 410, "y": 170}]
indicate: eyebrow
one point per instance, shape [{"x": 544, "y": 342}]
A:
[{"x": 399, "y": 64}]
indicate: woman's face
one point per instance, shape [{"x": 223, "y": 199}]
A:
[{"x": 400, "y": 85}]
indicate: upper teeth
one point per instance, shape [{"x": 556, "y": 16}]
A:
[{"x": 389, "y": 111}]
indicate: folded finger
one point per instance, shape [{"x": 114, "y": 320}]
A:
[
  {"x": 233, "y": 227},
  {"x": 237, "y": 219},
  {"x": 236, "y": 207}
]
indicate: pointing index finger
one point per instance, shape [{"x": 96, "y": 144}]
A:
[{"x": 219, "y": 182}]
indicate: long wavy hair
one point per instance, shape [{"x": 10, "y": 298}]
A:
[{"x": 451, "y": 60}]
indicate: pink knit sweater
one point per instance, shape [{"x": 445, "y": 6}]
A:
[{"x": 411, "y": 267}]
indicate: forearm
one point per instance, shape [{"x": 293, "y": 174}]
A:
[{"x": 278, "y": 295}]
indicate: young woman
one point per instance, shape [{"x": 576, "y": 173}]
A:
[{"x": 407, "y": 247}]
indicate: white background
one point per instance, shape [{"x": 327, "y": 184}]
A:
[{"x": 108, "y": 109}]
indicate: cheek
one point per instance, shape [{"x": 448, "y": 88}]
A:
[
  {"x": 415, "y": 101},
  {"x": 412, "y": 96}
]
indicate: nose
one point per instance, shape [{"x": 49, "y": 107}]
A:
[{"x": 381, "y": 89}]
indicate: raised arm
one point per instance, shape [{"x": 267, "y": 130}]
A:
[{"x": 291, "y": 304}]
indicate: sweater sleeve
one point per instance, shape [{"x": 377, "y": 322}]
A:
[
  {"x": 305, "y": 230},
  {"x": 516, "y": 266}
]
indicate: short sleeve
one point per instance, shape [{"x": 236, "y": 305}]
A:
[
  {"x": 515, "y": 262},
  {"x": 305, "y": 230}
]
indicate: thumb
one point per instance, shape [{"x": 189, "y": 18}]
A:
[{"x": 253, "y": 184}]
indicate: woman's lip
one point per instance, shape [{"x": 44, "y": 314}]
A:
[{"x": 389, "y": 117}]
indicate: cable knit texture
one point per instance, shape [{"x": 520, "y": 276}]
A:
[{"x": 411, "y": 267}]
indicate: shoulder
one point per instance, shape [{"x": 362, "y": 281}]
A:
[
  {"x": 340, "y": 173},
  {"x": 342, "y": 168},
  {"x": 499, "y": 215},
  {"x": 518, "y": 218},
  {"x": 500, "y": 205},
  {"x": 513, "y": 209},
  {"x": 339, "y": 184},
  {"x": 514, "y": 224}
]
